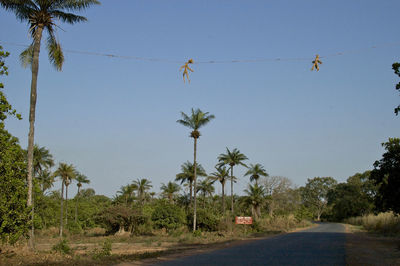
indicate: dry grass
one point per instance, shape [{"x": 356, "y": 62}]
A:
[{"x": 384, "y": 223}]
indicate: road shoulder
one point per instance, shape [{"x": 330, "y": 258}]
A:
[{"x": 363, "y": 248}]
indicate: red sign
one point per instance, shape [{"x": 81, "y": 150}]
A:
[{"x": 243, "y": 220}]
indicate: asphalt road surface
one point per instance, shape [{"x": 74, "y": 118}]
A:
[{"x": 320, "y": 245}]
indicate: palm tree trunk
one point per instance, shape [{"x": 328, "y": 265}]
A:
[
  {"x": 32, "y": 111},
  {"x": 232, "y": 189},
  {"x": 61, "y": 214},
  {"x": 223, "y": 198},
  {"x": 195, "y": 185},
  {"x": 66, "y": 204},
  {"x": 76, "y": 204},
  {"x": 191, "y": 192}
]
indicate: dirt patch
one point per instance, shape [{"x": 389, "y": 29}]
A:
[{"x": 363, "y": 248}]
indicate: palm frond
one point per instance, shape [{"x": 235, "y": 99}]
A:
[
  {"x": 67, "y": 17},
  {"x": 56, "y": 55},
  {"x": 26, "y": 57},
  {"x": 74, "y": 4}
]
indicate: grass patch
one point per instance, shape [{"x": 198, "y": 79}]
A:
[{"x": 384, "y": 223}]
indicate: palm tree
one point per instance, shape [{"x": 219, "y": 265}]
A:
[
  {"x": 42, "y": 15},
  {"x": 81, "y": 179},
  {"x": 232, "y": 158},
  {"x": 255, "y": 172},
  {"x": 169, "y": 190},
  {"x": 66, "y": 172},
  {"x": 255, "y": 198},
  {"x": 42, "y": 159},
  {"x": 127, "y": 192},
  {"x": 221, "y": 175},
  {"x": 187, "y": 175},
  {"x": 142, "y": 186},
  {"x": 195, "y": 122},
  {"x": 205, "y": 187},
  {"x": 46, "y": 179}
]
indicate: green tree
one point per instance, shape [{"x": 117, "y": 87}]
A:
[
  {"x": 195, "y": 121},
  {"x": 255, "y": 198},
  {"x": 142, "y": 186},
  {"x": 221, "y": 175},
  {"x": 255, "y": 172},
  {"x": 232, "y": 158},
  {"x": 42, "y": 15},
  {"x": 66, "y": 172},
  {"x": 386, "y": 175},
  {"x": 126, "y": 194},
  {"x": 396, "y": 68},
  {"x": 315, "y": 193},
  {"x": 14, "y": 214},
  {"x": 187, "y": 175},
  {"x": 80, "y": 179},
  {"x": 170, "y": 190}
]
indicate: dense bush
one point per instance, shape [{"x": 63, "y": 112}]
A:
[
  {"x": 168, "y": 216},
  {"x": 207, "y": 220}
]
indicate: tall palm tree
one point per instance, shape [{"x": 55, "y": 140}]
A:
[
  {"x": 142, "y": 186},
  {"x": 255, "y": 172},
  {"x": 206, "y": 187},
  {"x": 187, "y": 175},
  {"x": 169, "y": 190},
  {"x": 232, "y": 158},
  {"x": 66, "y": 172},
  {"x": 255, "y": 198},
  {"x": 81, "y": 179},
  {"x": 42, "y": 159},
  {"x": 42, "y": 15},
  {"x": 195, "y": 121},
  {"x": 221, "y": 175}
]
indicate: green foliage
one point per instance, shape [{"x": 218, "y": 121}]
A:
[
  {"x": 315, "y": 193},
  {"x": 168, "y": 216},
  {"x": 104, "y": 251},
  {"x": 386, "y": 175},
  {"x": 207, "y": 219},
  {"x": 62, "y": 247},
  {"x": 396, "y": 68}
]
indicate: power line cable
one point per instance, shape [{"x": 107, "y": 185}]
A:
[{"x": 257, "y": 60}]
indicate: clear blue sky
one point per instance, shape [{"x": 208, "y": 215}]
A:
[{"x": 115, "y": 119}]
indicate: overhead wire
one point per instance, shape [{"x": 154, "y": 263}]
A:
[{"x": 231, "y": 61}]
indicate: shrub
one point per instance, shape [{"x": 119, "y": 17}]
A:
[
  {"x": 168, "y": 216},
  {"x": 105, "y": 250},
  {"x": 62, "y": 247},
  {"x": 385, "y": 223},
  {"x": 207, "y": 220}
]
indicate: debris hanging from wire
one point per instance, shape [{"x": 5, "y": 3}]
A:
[
  {"x": 185, "y": 68},
  {"x": 316, "y": 63}
]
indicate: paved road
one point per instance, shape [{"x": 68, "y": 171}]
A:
[{"x": 321, "y": 245}]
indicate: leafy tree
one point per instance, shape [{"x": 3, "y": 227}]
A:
[
  {"x": 396, "y": 68},
  {"x": 232, "y": 158},
  {"x": 348, "y": 200},
  {"x": 170, "y": 190},
  {"x": 42, "y": 15},
  {"x": 80, "y": 179},
  {"x": 168, "y": 216},
  {"x": 14, "y": 214},
  {"x": 187, "y": 175},
  {"x": 118, "y": 218},
  {"x": 142, "y": 186},
  {"x": 255, "y": 198},
  {"x": 197, "y": 120},
  {"x": 315, "y": 193},
  {"x": 66, "y": 172},
  {"x": 255, "y": 172},
  {"x": 221, "y": 175},
  {"x": 386, "y": 175}
]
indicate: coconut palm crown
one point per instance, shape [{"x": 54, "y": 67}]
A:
[
  {"x": 187, "y": 175},
  {"x": 255, "y": 172},
  {"x": 221, "y": 175}
]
